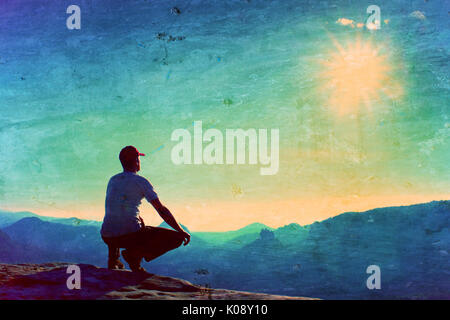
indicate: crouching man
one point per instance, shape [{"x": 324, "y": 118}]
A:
[{"x": 123, "y": 227}]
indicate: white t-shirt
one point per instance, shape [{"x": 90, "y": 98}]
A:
[{"x": 123, "y": 197}]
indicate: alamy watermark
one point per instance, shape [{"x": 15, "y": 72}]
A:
[
  {"x": 374, "y": 20},
  {"x": 74, "y": 20},
  {"x": 74, "y": 280},
  {"x": 191, "y": 150},
  {"x": 374, "y": 280}
]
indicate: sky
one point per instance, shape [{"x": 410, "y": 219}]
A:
[{"x": 362, "y": 114}]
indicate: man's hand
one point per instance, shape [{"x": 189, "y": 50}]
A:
[
  {"x": 142, "y": 221},
  {"x": 186, "y": 237}
]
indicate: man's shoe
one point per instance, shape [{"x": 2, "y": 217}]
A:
[
  {"x": 117, "y": 264},
  {"x": 133, "y": 262}
]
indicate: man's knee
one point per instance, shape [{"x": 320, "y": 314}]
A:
[{"x": 162, "y": 237}]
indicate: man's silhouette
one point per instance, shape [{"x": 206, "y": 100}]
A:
[{"x": 123, "y": 227}]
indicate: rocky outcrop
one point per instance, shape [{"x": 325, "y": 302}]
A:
[{"x": 49, "y": 281}]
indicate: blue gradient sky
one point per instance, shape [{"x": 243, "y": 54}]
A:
[{"x": 71, "y": 99}]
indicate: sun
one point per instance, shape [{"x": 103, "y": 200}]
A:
[{"x": 354, "y": 75}]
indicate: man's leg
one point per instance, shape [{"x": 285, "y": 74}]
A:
[
  {"x": 113, "y": 255},
  {"x": 133, "y": 257},
  {"x": 132, "y": 254},
  {"x": 148, "y": 243},
  {"x": 157, "y": 241},
  {"x": 113, "y": 258}
]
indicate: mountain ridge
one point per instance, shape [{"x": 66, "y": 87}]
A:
[{"x": 8, "y": 216}]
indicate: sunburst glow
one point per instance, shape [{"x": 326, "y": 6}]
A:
[{"x": 355, "y": 75}]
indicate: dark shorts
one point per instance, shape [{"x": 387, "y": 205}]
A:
[{"x": 149, "y": 242}]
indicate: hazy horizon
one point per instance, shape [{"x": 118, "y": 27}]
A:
[{"x": 157, "y": 220}]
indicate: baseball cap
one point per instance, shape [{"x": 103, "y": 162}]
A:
[{"x": 129, "y": 152}]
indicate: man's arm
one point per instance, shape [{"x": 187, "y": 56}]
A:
[{"x": 167, "y": 216}]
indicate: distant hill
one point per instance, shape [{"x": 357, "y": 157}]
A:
[
  {"x": 8, "y": 218},
  {"x": 291, "y": 234},
  {"x": 244, "y": 235},
  {"x": 58, "y": 242},
  {"x": 12, "y": 252},
  {"x": 8, "y": 249}
]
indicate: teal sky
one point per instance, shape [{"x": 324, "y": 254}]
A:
[{"x": 71, "y": 99}]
